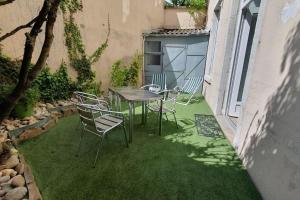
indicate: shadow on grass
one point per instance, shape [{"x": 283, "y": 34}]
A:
[{"x": 178, "y": 165}]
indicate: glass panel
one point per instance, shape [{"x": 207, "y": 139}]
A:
[
  {"x": 153, "y": 46},
  {"x": 247, "y": 57},
  {"x": 152, "y": 59}
]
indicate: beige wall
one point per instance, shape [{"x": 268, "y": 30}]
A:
[
  {"x": 181, "y": 18},
  {"x": 128, "y": 19},
  {"x": 268, "y": 134}
]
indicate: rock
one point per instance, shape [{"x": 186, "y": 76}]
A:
[
  {"x": 49, "y": 124},
  {"x": 32, "y": 121},
  {"x": 18, "y": 181},
  {"x": 11, "y": 162},
  {"x": 43, "y": 105},
  {"x": 49, "y": 106},
  {"x": 6, "y": 185},
  {"x": 2, "y": 193},
  {"x": 15, "y": 194},
  {"x": 40, "y": 117},
  {"x": 13, "y": 151},
  {"x": 8, "y": 172},
  {"x": 20, "y": 168},
  {"x": 26, "y": 118},
  {"x": 4, "y": 179},
  {"x": 10, "y": 127},
  {"x": 30, "y": 133},
  {"x": 24, "y": 122},
  {"x": 60, "y": 103},
  {"x": 3, "y": 135}
]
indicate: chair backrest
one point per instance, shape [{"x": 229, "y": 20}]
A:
[
  {"x": 87, "y": 117},
  {"x": 170, "y": 98},
  {"x": 86, "y": 98},
  {"x": 160, "y": 79},
  {"x": 192, "y": 85}
]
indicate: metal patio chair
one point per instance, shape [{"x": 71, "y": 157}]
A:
[
  {"x": 191, "y": 87},
  {"x": 168, "y": 106},
  {"x": 99, "y": 122},
  {"x": 158, "y": 84},
  {"x": 86, "y": 98}
]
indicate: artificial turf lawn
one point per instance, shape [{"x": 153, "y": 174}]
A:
[{"x": 180, "y": 164}]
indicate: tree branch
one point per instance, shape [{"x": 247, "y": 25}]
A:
[
  {"x": 2, "y": 3},
  {"x": 28, "y": 25},
  {"x": 47, "y": 42}
]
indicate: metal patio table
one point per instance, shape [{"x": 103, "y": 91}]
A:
[{"x": 132, "y": 95}]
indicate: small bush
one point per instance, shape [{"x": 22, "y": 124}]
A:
[
  {"x": 55, "y": 86},
  {"x": 123, "y": 75},
  {"x": 26, "y": 104}
]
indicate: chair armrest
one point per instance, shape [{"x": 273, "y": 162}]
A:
[{"x": 152, "y": 88}]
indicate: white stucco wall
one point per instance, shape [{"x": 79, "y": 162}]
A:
[
  {"x": 268, "y": 132},
  {"x": 270, "y": 145}
]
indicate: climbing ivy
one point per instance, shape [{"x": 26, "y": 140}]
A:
[{"x": 79, "y": 60}]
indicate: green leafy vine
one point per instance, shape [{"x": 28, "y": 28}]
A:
[{"x": 78, "y": 58}]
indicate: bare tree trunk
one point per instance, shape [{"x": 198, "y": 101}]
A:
[{"x": 48, "y": 13}]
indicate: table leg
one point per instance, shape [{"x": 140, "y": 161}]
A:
[
  {"x": 160, "y": 117},
  {"x": 130, "y": 121}
]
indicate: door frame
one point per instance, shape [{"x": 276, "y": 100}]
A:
[{"x": 228, "y": 93}]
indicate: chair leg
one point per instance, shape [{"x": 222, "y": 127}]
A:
[
  {"x": 125, "y": 134},
  {"x": 98, "y": 150},
  {"x": 175, "y": 120},
  {"x": 81, "y": 137},
  {"x": 166, "y": 116}
]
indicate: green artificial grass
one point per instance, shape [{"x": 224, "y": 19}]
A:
[{"x": 180, "y": 164}]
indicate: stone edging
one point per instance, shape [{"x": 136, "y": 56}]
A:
[
  {"x": 27, "y": 132},
  {"x": 30, "y": 131},
  {"x": 33, "y": 190}
]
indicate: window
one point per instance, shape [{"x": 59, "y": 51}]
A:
[
  {"x": 153, "y": 47},
  {"x": 153, "y": 53},
  {"x": 213, "y": 39},
  {"x": 152, "y": 59}
]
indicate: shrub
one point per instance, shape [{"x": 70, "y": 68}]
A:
[
  {"x": 123, "y": 75},
  {"x": 25, "y": 105},
  {"x": 55, "y": 86},
  {"x": 118, "y": 74}
]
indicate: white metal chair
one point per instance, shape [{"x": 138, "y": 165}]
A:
[
  {"x": 158, "y": 84},
  {"x": 99, "y": 122},
  {"x": 168, "y": 106},
  {"x": 191, "y": 87}
]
